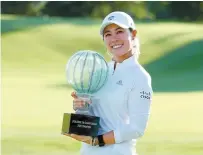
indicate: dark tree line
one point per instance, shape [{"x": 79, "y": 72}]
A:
[{"x": 181, "y": 10}]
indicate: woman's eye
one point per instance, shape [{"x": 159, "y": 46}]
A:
[
  {"x": 106, "y": 35},
  {"x": 119, "y": 32}
]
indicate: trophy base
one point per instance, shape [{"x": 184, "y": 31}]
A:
[{"x": 80, "y": 124}]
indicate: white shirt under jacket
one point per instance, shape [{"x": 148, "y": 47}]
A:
[{"x": 123, "y": 105}]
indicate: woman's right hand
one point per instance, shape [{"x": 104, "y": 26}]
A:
[{"x": 77, "y": 101}]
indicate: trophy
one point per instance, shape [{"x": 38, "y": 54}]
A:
[{"x": 87, "y": 72}]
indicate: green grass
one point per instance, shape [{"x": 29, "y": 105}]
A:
[
  {"x": 33, "y": 108},
  {"x": 35, "y": 94}
]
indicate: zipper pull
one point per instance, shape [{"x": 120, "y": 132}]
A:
[{"x": 114, "y": 68}]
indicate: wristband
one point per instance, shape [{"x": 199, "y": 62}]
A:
[{"x": 101, "y": 140}]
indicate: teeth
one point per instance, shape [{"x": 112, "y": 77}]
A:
[{"x": 117, "y": 46}]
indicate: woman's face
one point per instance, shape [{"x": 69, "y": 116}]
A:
[{"x": 118, "y": 41}]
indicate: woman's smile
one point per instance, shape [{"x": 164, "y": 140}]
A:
[{"x": 117, "y": 46}]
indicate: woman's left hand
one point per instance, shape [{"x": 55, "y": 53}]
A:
[{"x": 85, "y": 139}]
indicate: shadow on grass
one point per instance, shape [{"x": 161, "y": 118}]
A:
[
  {"x": 22, "y": 23},
  {"x": 169, "y": 37},
  {"x": 181, "y": 70}
]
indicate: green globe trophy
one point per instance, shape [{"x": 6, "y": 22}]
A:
[{"x": 87, "y": 72}]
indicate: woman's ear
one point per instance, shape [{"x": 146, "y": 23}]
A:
[{"x": 134, "y": 33}]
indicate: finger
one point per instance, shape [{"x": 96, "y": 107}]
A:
[
  {"x": 84, "y": 100},
  {"x": 74, "y": 95},
  {"x": 80, "y": 138},
  {"x": 73, "y": 135},
  {"x": 77, "y": 137},
  {"x": 78, "y": 102},
  {"x": 66, "y": 134},
  {"x": 78, "y": 105}
]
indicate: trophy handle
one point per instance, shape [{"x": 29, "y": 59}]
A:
[{"x": 87, "y": 98}]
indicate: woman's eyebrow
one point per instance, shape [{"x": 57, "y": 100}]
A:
[
  {"x": 119, "y": 28},
  {"x": 106, "y": 31}
]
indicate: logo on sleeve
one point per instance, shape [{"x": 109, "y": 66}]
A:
[{"x": 145, "y": 95}]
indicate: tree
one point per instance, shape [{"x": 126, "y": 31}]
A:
[
  {"x": 32, "y": 8},
  {"x": 187, "y": 10}
]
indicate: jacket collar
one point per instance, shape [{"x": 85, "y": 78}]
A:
[{"x": 131, "y": 61}]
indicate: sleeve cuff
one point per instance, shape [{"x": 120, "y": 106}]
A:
[{"x": 117, "y": 136}]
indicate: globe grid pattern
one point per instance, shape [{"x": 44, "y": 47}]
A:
[{"x": 87, "y": 71}]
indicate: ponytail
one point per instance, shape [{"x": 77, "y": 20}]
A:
[{"x": 136, "y": 45}]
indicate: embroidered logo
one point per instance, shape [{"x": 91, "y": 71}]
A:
[
  {"x": 119, "y": 82},
  {"x": 111, "y": 18},
  {"x": 145, "y": 95}
]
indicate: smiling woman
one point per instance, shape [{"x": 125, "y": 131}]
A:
[
  {"x": 120, "y": 39},
  {"x": 123, "y": 103}
]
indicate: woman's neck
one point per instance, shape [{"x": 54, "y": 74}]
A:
[{"x": 120, "y": 59}]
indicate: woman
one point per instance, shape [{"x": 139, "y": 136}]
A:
[{"x": 124, "y": 101}]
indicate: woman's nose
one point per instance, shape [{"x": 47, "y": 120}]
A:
[{"x": 114, "y": 37}]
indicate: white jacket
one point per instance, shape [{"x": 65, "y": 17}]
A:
[{"x": 123, "y": 105}]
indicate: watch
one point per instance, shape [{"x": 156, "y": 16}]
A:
[{"x": 101, "y": 140}]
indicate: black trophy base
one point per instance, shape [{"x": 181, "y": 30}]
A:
[{"x": 80, "y": 124}]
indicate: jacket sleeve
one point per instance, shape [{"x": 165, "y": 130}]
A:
[{"x": 139, "y": 101}]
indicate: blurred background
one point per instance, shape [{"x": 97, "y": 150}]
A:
[{"x": 37, "y": 39}]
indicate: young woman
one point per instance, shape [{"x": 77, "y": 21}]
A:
[{"x": 124, "y": 101}]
